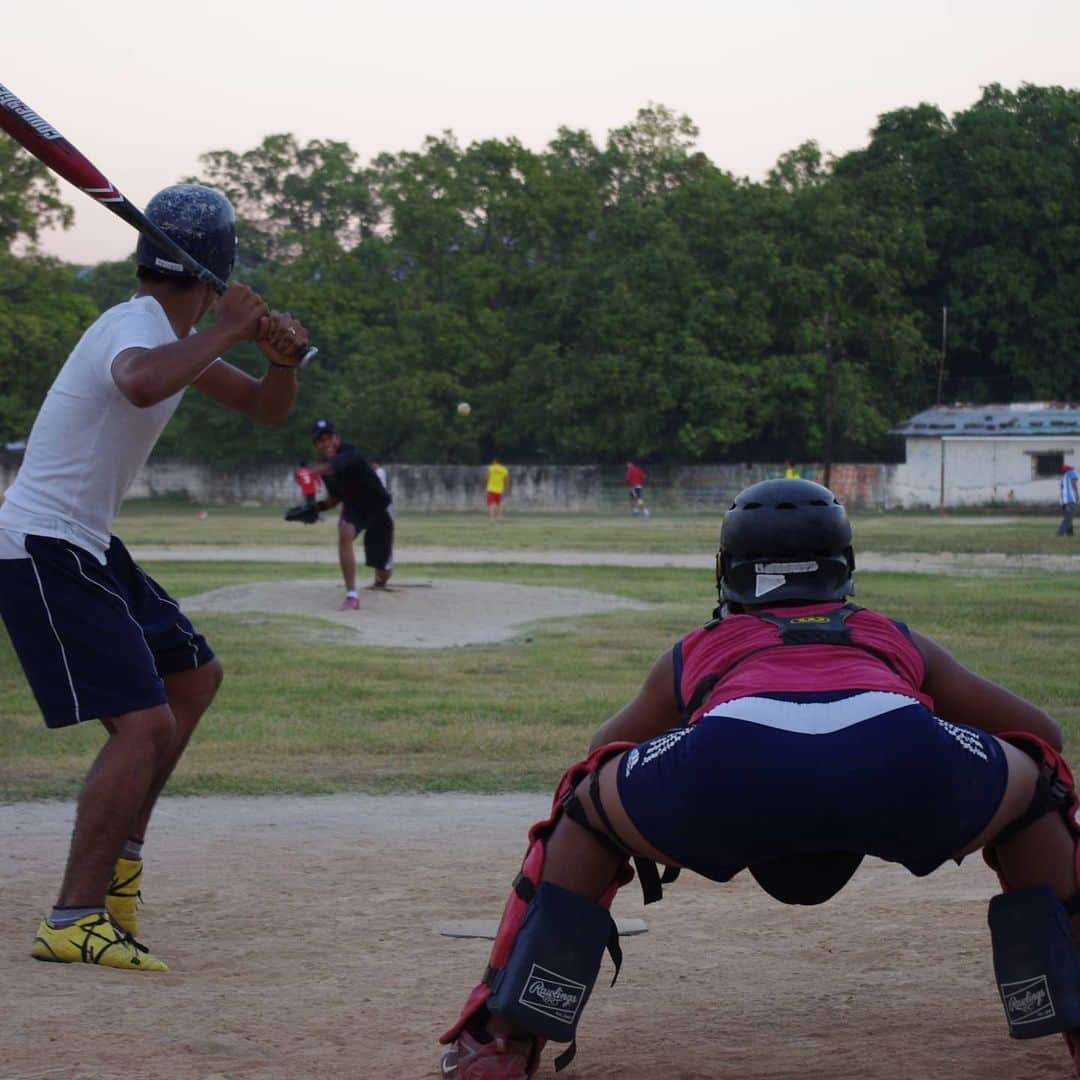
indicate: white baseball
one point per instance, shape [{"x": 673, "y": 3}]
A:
[{"x": 464, "y": 408}]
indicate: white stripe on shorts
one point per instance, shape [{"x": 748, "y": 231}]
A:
[
  {"x": 127, "y": 610},
  {"x": 169, "y": 600},
  {"x": 59, "y": 642},
  {"x": 812, "y": 717}
]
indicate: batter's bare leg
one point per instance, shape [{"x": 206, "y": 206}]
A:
[{"x": 112, "y": 797}]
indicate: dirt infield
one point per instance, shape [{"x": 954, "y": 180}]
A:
[{"x": 300, "y": 935}]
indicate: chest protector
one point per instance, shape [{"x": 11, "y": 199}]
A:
[{"x": 827, "y": 629}]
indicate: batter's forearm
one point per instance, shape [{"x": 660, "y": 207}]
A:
[{"x": 275, "y": 395}]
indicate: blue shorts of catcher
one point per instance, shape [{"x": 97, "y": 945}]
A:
[
  {"x": 94, "y": 641},
  {"x": 772, "y": 775}
]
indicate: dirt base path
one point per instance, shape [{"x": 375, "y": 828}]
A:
[
  {"x": 962, "y": 564},
  {"x": 300, "y": 935}
]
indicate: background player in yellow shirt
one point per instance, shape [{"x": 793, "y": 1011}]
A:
[{"x": 498, "y": 484}]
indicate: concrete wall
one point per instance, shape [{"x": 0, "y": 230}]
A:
[
  {"x": 570, "y": 488},
  {"x": 532, "y": 487},
  {"x": 978, "y": 472}
]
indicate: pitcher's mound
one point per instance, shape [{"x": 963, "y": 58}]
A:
[{"x": 446, "y": 613}]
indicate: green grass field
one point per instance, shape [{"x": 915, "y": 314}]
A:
[
  {"x": 171, "y": 522},
  {"x": 296, "y": 716}
]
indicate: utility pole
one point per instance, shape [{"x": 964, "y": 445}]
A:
[
  {"x": 941, "y": 358},
  {"x": 827, "y": 438}
]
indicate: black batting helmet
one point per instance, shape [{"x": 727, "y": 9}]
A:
[
  {"x": 201, "y": 220},
  {"x": 784, "y": 541}
]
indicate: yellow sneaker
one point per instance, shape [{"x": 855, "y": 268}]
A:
[
  {"x": 124, "y": 894},
  {"x": 93, "y": 940}
]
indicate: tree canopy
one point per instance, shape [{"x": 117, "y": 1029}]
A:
[{"x": 597, "y": 302}]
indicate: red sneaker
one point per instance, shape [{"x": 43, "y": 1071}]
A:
[
  {"x": 500, "y": 1059},
  {"x": 1072, "y": 1041},
  {"x": 350, "y": 603}
]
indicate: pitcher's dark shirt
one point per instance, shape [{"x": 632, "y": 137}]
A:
[{"x": 352, "y": 480}]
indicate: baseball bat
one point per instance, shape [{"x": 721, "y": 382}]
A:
[{"x": 42, "y": 140}]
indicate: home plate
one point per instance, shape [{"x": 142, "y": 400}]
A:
[{"x": 485, "y": 928}]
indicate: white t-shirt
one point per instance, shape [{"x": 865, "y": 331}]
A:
[{"x": 88, "y": 440}]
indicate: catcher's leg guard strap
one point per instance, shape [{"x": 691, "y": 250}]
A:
[
  {"x": 649, "y": 877},
  {"x": 1036, "y": 962},
  {"x": 576, "y": 812},
  {"x": 1052, "y": 793},
  {"x": 1055, "y": 792},
  {"x": 553, "y": 963}
]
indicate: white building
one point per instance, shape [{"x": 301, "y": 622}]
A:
[{"x": 971, "y": 455}]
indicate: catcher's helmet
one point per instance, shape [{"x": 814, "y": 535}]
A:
[
  {"x": 785, "y": 540},
  {"x": 200, "y": 220}
]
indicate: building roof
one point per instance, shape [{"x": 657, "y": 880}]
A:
[{"x": 1024, "y": 419}]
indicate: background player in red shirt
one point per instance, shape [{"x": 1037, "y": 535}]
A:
[
  {"x": 635, "y": 480},
  {"x": 308, "y": 483}
]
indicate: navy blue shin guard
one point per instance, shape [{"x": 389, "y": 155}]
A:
[
  {"x": 553, "y": 963},
  {"x": 1036, "y": 962}
]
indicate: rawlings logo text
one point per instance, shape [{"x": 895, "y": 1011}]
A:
[
  {"x": 553, "y": 994},
  {"x": 1028, "y": 1001},
  {"x": 1025, "y": 1003},
  {"x": 555, "y": 997}
]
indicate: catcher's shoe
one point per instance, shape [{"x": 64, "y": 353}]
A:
[
  {"x": 1072, "y": 1041},
  {"x": 94, "y": 939},
  {"x": 499, "y": 1059},
  {"x": 350, "y": 603},
  {"x": 124, "y": 894}
]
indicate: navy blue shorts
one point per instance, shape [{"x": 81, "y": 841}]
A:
[
  {"x": 764, "y": 777},
  {"x": 378, "y": 530},
  {"x": 95, "y": 641}
]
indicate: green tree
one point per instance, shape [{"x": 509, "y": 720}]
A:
[
  {"x": 41, "y": 317},
  {"x": 29, "y": 197},
  {"x": 285, "y": 191}
]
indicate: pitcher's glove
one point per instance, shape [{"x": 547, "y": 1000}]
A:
[{"x": 307, "y": 514}]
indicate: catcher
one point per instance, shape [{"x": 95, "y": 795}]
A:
[
  {"x": 792, "y": 735},
  {"x": 366, "y": 508}
]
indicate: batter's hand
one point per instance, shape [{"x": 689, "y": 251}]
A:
[
  {"x": 239, "y": 312},
  {"x": 282, "y": 339}
]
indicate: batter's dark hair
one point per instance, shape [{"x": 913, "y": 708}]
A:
[{"x": 150, "y": 276}]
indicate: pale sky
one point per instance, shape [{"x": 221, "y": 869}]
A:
[{"x": 143, "y": 88}]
